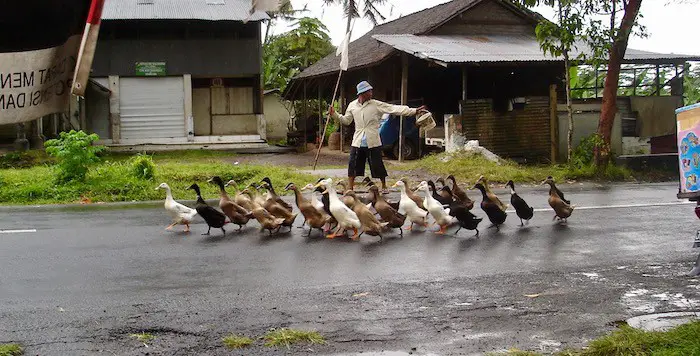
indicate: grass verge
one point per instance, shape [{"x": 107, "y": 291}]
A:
[
  {"x": 468, "y": 168},
  {"x": 11, "y": 350},
  {"x": 233, "y": 342},
  {"x": 143, "y": 337},
  {"x": 113, "y": 179},
  {"x": 628, "y": 341},
  {"x": 286, "y": 337}
]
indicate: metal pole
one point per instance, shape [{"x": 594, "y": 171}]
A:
[{"x": 404, "y": 99}]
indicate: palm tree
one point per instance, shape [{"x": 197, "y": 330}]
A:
[
  {"x": 286, "y": 13},
  {"x": 351, "y": 8}
]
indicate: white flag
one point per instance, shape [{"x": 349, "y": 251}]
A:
[{"x": 342, "y": 51}]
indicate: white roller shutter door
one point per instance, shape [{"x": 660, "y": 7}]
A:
[{"x": 152, "y": 107}]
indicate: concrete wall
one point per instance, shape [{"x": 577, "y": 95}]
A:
[
  {"x": 276, "y": 117},
  {"x": 586, "y": 117}
]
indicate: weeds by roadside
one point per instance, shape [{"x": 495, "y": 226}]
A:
[
  {"x": 11, "y": 350},
  {"x": 466, "y": 167},
  {"x": 115, "y": 179},
  {"x": 628, "y": 341},
  {"x": 233, "y": 342},
  {"x": 143, "y": 337},
  {"x": 286, "y": 337}
]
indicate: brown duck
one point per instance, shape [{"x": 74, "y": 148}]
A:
[
  {"x": 386, "y": 211},
  {"x": 239, "y": 198},
  {"x": 271, "y": 194},
  {"x": 459, "y": 194},
  {"x": 266, "y": 220},
  {"x": 237, "y": 214},
  {"x": 492, "y": 197},
  {"x": 370, "y": 225},
  {"x": 315, "y": 218},
  {"x": 412, "y": 194},
  {"x": 562, "y": 210}
]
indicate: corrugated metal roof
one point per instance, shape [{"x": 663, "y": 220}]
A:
[
  {"x": 231, "y": 10},
  {"x": 493, "y": 48}
]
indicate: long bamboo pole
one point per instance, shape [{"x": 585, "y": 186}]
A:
[{"x": 328, "y": 119}]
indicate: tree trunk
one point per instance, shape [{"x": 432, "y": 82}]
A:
[
  {"x": 569, "y": 108},
  {"x": 609, "y": 108},
  {"x": 267, "y": 31}
]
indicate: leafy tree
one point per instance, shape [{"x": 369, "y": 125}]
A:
[
  {"x": 352, "y": 10},
  {"x": 287, "y": 54},
  {"x": 691, "y": 84},
  {"x": 558, "y": 39},
  {"x": 286, "y": 13},
  {"x": 607, "y": 41}
]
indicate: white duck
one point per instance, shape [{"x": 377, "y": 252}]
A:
[
  {"x": 181, "y": 214},
  {"x": 346, "y": 218},
  {"x": 315, "y": 197},
  {"x": 441, "y": 215},
  {"x": 408, "y": 207}
]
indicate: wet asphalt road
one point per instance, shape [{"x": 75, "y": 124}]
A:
[{"x": 90, "y": 276}]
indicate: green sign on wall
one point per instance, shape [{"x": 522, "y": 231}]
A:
[{"x": 150, "y": 69}]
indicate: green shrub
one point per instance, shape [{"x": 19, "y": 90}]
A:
[
  {"x": 143, "y": 167},
  {"x": 75, "y": 152},
  {"x": 584, "y": 153}
]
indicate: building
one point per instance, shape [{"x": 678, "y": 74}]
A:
[
  {"x": 478, "y": 64},
  {"x": 177, "y": 74}
]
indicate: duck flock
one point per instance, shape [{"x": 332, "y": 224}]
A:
[{"x": 334, "y": 212}]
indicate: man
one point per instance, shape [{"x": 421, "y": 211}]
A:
[{"x": 366, "y": 144}]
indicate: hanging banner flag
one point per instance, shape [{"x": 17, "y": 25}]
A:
[
  {"x": 343, "y": 51},
  {"x": 87, "y": 48},
  {"x": 38, "y": 60}
]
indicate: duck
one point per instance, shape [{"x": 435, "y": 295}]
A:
[
  {"x": 491, "y": 208},
  {"x": 370, "y": 224},
  {"x": 444, "y": 200},
  {"x": 345, "y": 217},
  {"x": 364, "y": 199},
  {"x": 459, "y": 194},
  {"x": 435, "y": 208},
  {"x": 239, "y": 198},
  {"x": 409, "y": 207},
  {"x": 462, "y": 213},
  {"x": 493, "y": 197},
  {"x": 255, "y": 194},
  {"x": 562, "y": 209},
  {"x": 464, "y": 217},
  {"x": 266, "y": 220},
  {"x": 180, "y": 213},
  {"x": 267, "y": 184},
  {"x": 387, "y": 212},
  {"x": 372, "y": 193},
  {"x": 314, "y": 199},
  {"x": 522, "y": 209},
  {"x": 316, "y": 218},
  {"x": 275, "y": 208},
  {"x": 441, "y": 192},
  {"x": 236, "y": 213},
  {"x": 411, "y": 194},
  {"x": 559, "y": 192},
  {"x": 211, "y": 216}
]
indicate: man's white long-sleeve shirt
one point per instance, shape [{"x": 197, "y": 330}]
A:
[{"x": 367, "y": 116}]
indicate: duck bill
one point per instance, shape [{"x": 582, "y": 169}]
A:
[{"x": 157, "y": 188}]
